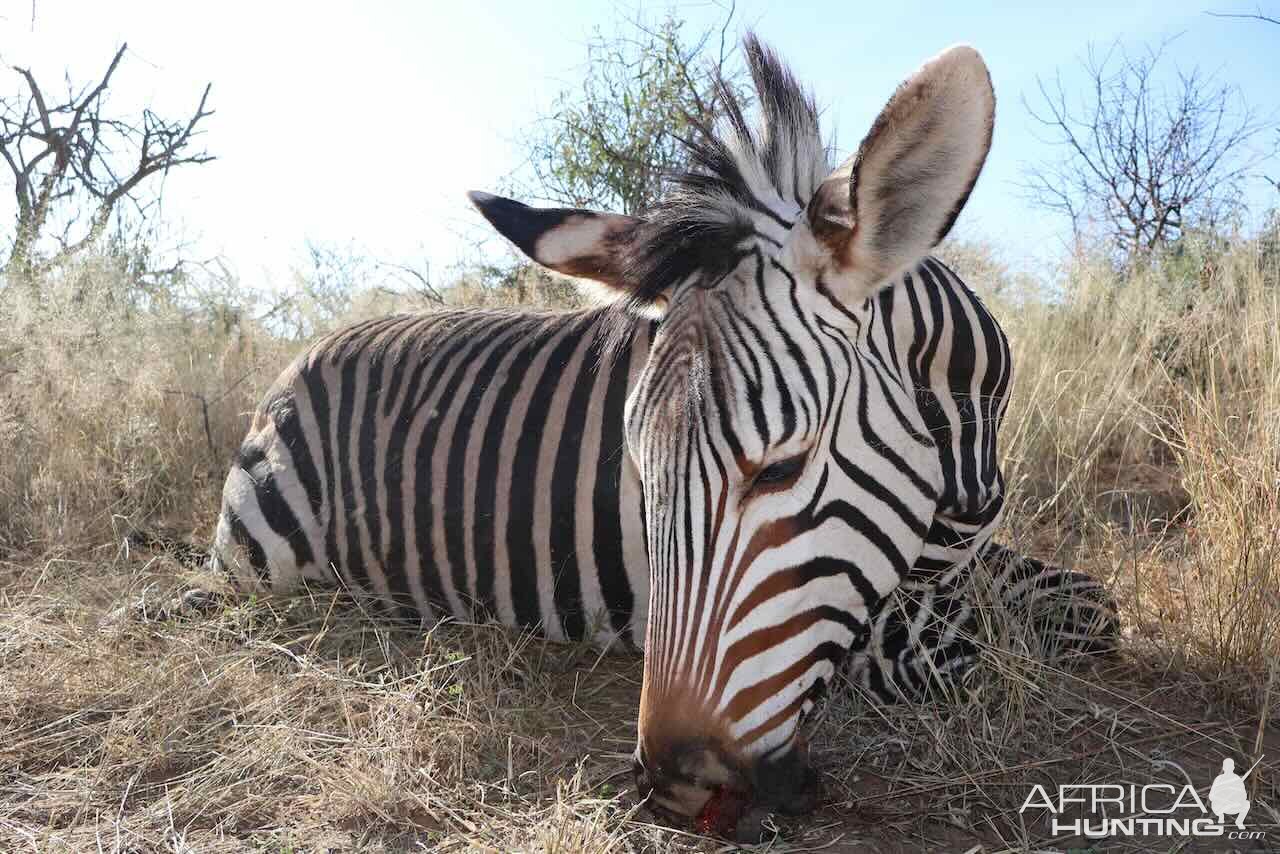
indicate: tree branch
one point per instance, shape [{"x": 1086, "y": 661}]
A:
[
  {"x": 61, "y": 152},
  {"x": 1255, "y": 16}
]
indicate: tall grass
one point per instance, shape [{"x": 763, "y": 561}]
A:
[
  {"x": 113, "y": 405},
  {"x": 1144, "y": 439}
]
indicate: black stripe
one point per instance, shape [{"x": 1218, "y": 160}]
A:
[
  {"x": 288, "y": 423},
  {"x": 239, "y": 533},
  {"x": 564, "y": 501},
  {"x": 886, "y": 319},
  {"x": 351, "y": 504},
  {"x": 919, "y": 336},
  {"x": 312, "y": 374},
  {"x": 606, "y": 500},
  {"x": 367, "y": 455},
  {"x": 961, "y": 367},
  {"x": 367, "y": 442},
  {"x": 933, "y": 410},
  {"x": 275, "y": 511}
]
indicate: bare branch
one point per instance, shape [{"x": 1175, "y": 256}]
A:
[
  {"x": 1254, "y": 16},
  {"x": 424, "y": 286},
  {"x": 1140, "y": 160},
  {"x": 64, "y": 152}
]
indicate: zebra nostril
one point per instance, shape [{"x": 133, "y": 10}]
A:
[
  {"x": 679, "y": 786},
  {"x": 708, "y": 768}
]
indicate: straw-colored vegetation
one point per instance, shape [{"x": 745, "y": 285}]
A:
[{"x": 1142, "y": 445}]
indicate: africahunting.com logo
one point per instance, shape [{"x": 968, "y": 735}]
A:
[{"x": 1105, "y": 810}]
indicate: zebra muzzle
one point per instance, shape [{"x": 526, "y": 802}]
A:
[{"x": 703, "y": 788}]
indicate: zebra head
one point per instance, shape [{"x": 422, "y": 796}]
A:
[{"x": 789, "y": 479}]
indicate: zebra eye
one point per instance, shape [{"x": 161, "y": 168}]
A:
[{"x": 780, "y": 474}]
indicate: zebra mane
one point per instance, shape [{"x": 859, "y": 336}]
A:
[{"x": 742, "y": 180}]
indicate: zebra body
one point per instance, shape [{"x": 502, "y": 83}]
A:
[
  {"x": 464, "y": 463},
  {"x": 472, "y": 464}
]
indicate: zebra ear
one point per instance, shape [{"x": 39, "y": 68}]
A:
[
  {"x": 580, "y": 243},
  {"x": 898, "y": 196}
]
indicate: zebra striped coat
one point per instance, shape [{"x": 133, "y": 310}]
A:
[
  {"x": 797, "y": 463},
  {"x": 472, "y": 463}
]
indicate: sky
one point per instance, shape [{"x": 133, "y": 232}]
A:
[{"x": 364, "y": 123}]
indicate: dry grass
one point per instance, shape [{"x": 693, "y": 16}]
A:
[
  {"x": 103, "y": 395},
  {"x": 1143, "y": 445},
  {"x": 295, "y": 724}
]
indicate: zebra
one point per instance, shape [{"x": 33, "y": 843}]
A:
[{"x": 773, "y": 450}]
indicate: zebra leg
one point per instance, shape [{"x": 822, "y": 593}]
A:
[
  {"x": 1066, "y": 612},
  {"x": 922, "y": 638},
  {"x": 926, "y": 636}
]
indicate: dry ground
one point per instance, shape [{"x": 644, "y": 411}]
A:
[
  {"x": 1142, "y": 445},
  {"x": 306, "y": 725}
]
